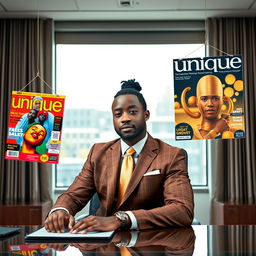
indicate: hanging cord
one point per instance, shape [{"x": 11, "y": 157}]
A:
[
  {"x": 206, "y": 43},
  {"x": 38, "y": 56},
  {"x": 205, "y": 28}
]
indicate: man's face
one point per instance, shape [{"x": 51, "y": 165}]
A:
[
  {"x": 209, "y": 106},
  {"x": 129, "y": 118},
  {"x": 37, "y": 104},
  {"x": 42, "y": 117},
  {"x": 32, "y": 114}
]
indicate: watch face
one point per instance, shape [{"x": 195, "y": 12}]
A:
[{"x": 122, "y": 216}]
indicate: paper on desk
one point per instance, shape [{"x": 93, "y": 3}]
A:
[{"x": 42, "y": 233}]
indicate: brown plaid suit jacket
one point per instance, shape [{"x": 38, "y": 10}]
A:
[{"x": 161, "y": 200}]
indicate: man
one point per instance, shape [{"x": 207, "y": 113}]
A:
[
  {"x": 42, "y": 116},
  {"x": 158, "y": 192},
  {"x": 32, "y": 114},
  {"x": 210, "y": 99}
]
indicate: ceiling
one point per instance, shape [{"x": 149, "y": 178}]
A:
[{"x": 127, "y": 9}]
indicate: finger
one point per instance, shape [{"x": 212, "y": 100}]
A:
[
  {"x": 88, "y": 221},
  {"x": 46, "y": 226},
  {"x": 71, "y": 222},
  {"x": 51, "y": 227},
  {"x": 81, "y": 227},
  {"x": 61, "y": 223},
  {"x": 89, "y": 229},
  {"x": 224, "y": 116},
  {"x": 56, "y": 218}
]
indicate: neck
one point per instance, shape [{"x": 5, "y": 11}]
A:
[
  {"x": 133, "y": 141},
  {"x": 26, "y": 148},
  {"x": 208, "y": 124}
]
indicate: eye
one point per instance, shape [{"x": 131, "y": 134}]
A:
[
  {"x": 133, "y": 112},
  {"x": 117, "y": 114},
  {"x": 204, "y": 99}
]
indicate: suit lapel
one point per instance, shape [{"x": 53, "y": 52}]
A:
[
  {"x": 146, "y": 157},
  {"x": 113, "y": 156}
]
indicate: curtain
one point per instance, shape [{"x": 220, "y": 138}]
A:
[
  {"x": 20, "y": 181},
  {"x": 233, "y": 161},
  {"x": 233, "y": 240}
]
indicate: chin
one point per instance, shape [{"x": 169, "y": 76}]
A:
[
  {"x": 211, "y": 117},
  {"x": 128, "y": 136}
]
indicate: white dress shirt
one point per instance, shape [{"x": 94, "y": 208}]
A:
[{"x": 138, "y": 148}]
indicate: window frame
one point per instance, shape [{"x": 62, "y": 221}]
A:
[{"x": 131, "y": 32}]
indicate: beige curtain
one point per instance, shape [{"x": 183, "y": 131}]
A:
[
  {"x": 234, "y": 160},
  {"x": 23, "y": 182},
  {"x": 233, "y": 240}
]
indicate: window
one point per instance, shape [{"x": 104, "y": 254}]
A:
[{"x": 90, "y": 74}]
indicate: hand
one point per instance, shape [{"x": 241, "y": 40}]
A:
[
  {"x": 222, "y": 124},
  {"x": 58, "y": 221},
  {"x": 92, "y": 223},
  {"x": 84, "y": 247},
  {"x": 57, "y": 247}
]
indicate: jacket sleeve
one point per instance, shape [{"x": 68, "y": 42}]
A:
[
  {"x": 178, "y": 208},
  {"x": 81, "y": 190}
]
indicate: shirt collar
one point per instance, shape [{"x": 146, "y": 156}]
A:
[{"x": 138, "y": 146}]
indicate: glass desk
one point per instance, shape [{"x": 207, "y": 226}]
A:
[{"x": 195, "y": 240}]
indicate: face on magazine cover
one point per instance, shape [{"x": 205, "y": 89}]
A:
[
  {"x": 37, "y": 104},
  {"x": 32, "y": 114},
  {"x": 209, "y": 106},
  {"x": 42, "y": 116},
  {"x": 35, "y": 135}
]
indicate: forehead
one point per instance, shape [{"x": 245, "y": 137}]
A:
[
  {"x": 37, "y": 126},
  {"x": 210, "y": 96},
  {"x": 125, "y": 101}
]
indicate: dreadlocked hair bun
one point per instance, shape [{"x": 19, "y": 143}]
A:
[{"x": 131, "y": 84}]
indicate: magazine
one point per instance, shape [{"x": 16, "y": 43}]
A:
[
  {"x": 35, "y": 126},
  {"x": 29, "y": 249},
  {"x": 209, "y": 98}
]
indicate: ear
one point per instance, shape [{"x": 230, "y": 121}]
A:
[{"x": 146, "y": 115}]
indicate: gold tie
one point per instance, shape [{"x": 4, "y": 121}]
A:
[
  {"x": 126, "y": 173},
  {"x": 124, "y": 251}
]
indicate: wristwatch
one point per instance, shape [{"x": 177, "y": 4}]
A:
[{"x": 124, "y": 218}]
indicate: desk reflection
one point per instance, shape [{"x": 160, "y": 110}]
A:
[
  {"x": 178, "y": 241},
  {"x": 201, "y": 240}
]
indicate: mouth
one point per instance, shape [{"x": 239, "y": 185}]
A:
[
  {"x": 127, "y": 128},
  {"x": 34, "y": 135},
  {"x": 210, "y": 111}
]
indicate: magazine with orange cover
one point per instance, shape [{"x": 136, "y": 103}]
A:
[
  {"x": 35, "y": 126},
  {"x": 209, "y": 98}
]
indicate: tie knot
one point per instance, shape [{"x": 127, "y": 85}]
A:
[{"x": 130, "y": 151}]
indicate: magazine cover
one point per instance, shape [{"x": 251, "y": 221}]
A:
[
  {"x": 209, "y": 98},
  {"x": 29, "y": 249},
  {"x": 34, "y": 129}
]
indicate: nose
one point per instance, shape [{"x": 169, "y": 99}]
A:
[
  {"x": 125, "y": 117},
  {"x": 210, "y": 102}
]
